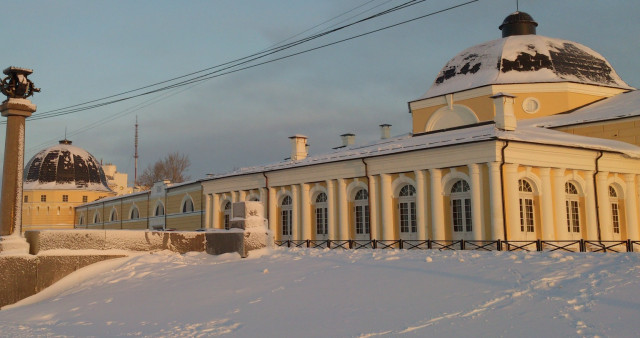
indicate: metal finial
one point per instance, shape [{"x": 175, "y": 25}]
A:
[{"x": 16, "y": 84}]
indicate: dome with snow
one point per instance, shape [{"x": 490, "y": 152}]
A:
[
  {"x": 523, "y": 57},
  {"x": 64, "y": 167}
]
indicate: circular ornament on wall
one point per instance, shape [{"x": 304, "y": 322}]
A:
[{"x": 531, "y": 105}]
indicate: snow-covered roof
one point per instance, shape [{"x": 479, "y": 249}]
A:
[
  {"x": 480, "y": 132},
  {"x": 64, "y": 167},
  {"x": 613, "y": 108},
  {"x": 524, "y": 59}
]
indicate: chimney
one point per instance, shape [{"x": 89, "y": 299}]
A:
[
  {"x": 298, "y": 147},
  {"x": 385, "y": 131},
  {"x": 505, "y": 119},
  {"x": 348, "y": 139}
]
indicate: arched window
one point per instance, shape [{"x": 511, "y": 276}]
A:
[
  {"x": 286, "y": 215},
  {"x": 81, "y": 220},
  {"x": 615, "y": 209},
  {"x": 461, "y": 207},
  {"x": 135, "y": 213},
  {"x": 114, "y": 215},
  {"x": 361, "y": 217},
  {"x": 187, "y": 205},
  {"x": 407, "y": 209},
  {"x": 96, "y": 218},
  {"x": 227, "y": 215},
  {"x": 527, "y": 223},
  {"x": 159, "y": 210},
  {"x": 573, "y": 207},
  {"x": 322, "y": 223}
]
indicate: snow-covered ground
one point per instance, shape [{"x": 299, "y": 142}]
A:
[{"x": 361, "y": 293}]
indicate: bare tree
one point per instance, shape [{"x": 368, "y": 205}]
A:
[{"x": 172, "y": 167}]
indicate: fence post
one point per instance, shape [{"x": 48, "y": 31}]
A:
[
  {"x": 350, "y": 244},
  {"x": 629, "y": 246},
  {"x": 374, "y": 244},
  {"x": 401, "y": 244},
  {"x": 429, "y": 244},
  {"x": 328, "y": 244},
  {"x": 288, "y": 243},
  {"x": 308, "y": 243},
  {"x": 583, "y": 246},
  {"x": 538, "y": 245},
  {"x": 499, "y": 245},
  {"x": 462, "y": 244}
]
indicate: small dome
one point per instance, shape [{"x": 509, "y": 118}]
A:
[
  {"x": 518, "y": 23},
  {"x": 519, "y": 59},
  {"x": 64, "y": 166}
]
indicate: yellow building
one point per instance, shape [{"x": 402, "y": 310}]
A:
[
  {"x": 521, "y": 138},
  {"x": 56, "y": 180}
]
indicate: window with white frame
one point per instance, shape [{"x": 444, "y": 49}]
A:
[
  {"x": 227, "y": 215},
  {"x": 322, "y": 212},
  {"x": 615, "y": 209},
  {"x": 135, "y": 213},
  {"x": 461, "y": 206},
  {"x": 407, "y": 209},
  {"x": 573, "y": 207},
  {"x": 187, "y": 205},
  {"x": 527, "y": 223},
  {"x": 361, "y": 210},
  {"x": 286, "y": 215}
]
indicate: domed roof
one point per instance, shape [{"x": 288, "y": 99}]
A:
[
  {"x": 524, "y": 57},
  {"x": 64, "y": 167}
]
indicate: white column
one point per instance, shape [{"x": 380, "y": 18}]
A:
[
  {"x": 343, "y": 210},
  {"x": 559, "y": 200},
  {"x": 234, "y": 196},
  {"x": 631, "y": 208},
  {"x": 271, "y": 205},
  {"x": 331, "y": 210},
  {"x": 215, "y": 211},
  {"x": 421, "y": 197},
  {"x": 546, "y": 208},
  {"x": 386, "y": 214},
  {"x": 295, "y": 213},
  {"x": 477, "y": 211},
  {"x": 305, "y": 206},
  {"x": 437, "y": 205},
  {"x": 590, "y": 201},
  {"x": 242, "y": 196},
  {"x": 513, "y": 201},
  {"x": 373, "y": 208},
  {"x": 604, "y": 208},
  {"x": 207, "y": 211},
  {"x": 495, "y": 195}
]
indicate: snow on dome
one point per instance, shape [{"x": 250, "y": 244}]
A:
[
  {"x": 524, "y": 59},
  {"x": 64, "y": 166}
]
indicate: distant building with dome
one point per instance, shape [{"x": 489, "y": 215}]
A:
[
  {"x": 56, "y": 180},
  {"x": 521, "y": 138}
]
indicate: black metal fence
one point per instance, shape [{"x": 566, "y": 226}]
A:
[{"x": 498, "y": 245}]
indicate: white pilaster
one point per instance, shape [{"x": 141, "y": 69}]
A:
[
  {"x": 386, "y": 214},
  {"x": 437, "y": 205},
  {"x": 631, "y": 206},
  {"x": 234, "y": 196},
  {"x": 305, "y": 211},
  {"x": 513, "y": 202},
  {"x": 590, "y": 201},
  {"x": 215, "y": 212},
  {"x": 331, "y": 210},
  {"x": 273, "y": 211},
  {"x": 343, "y": 210},
  {"x": 421, "y": 197},
  {"x": 495, "y": 195},
  {"x": 242, "y": 196},
  {"x": 295, "y": 213},
  {"x": 477, "y": 211},
  {"x": 207, "y": 211},
  {"x": 546, "y": 208},
  {"x": 373, "y": 208},
  {"x": 604, "y": 209},
  {"x": 559, "y": 200}
]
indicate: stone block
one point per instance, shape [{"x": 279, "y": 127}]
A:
[
  {"x": 247, "y": 209},
  {"x": 186, "y": 241},
  {"x": 65, "y": 239},
  {"x": 135, "y": 240},
  {"x": 224, "y": 242},
  {"x": 18, "y": 278}
]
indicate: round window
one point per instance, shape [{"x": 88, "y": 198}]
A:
[{"x": 531, "y": 105}]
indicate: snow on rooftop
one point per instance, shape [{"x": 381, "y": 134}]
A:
[
  {"x": 524, "y": 59},
  {"x": 617, "y": 107},
  {"x": 340, "y": 293}
]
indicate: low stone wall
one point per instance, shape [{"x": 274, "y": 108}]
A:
[{"x": 23, "y": 276}]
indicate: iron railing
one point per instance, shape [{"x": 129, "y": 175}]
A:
[{"x": 498, "y": 245}]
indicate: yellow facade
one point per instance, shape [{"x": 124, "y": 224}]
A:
[{"x": 626, "y": 130}]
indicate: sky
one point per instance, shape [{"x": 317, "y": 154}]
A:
[{"x": 82, "y": 51}]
